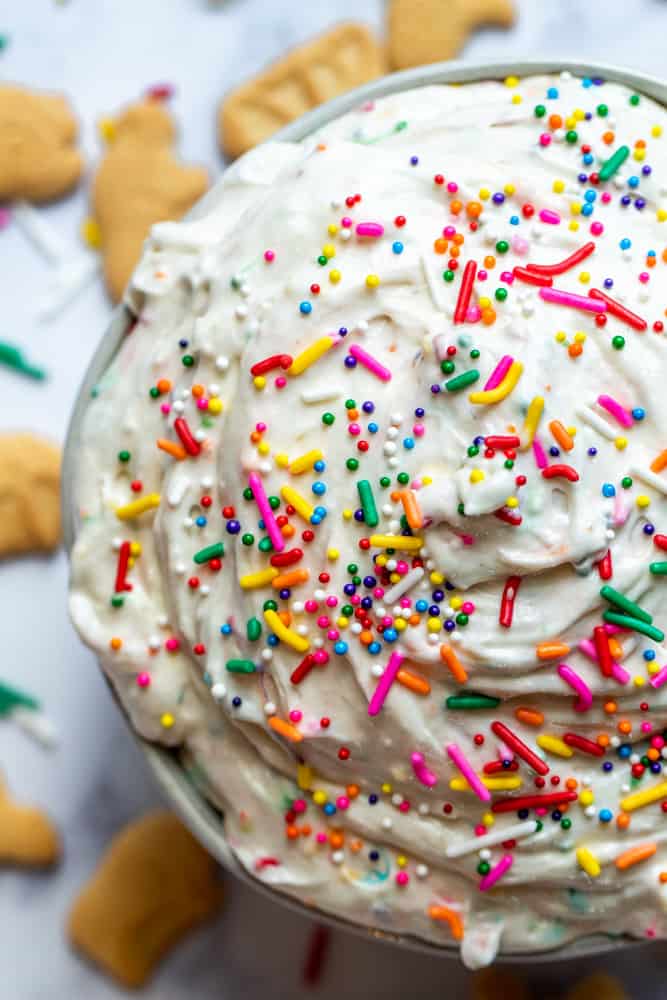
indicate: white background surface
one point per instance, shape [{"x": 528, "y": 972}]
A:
[{"x": 104, "y": 53}]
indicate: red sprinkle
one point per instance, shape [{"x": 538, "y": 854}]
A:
[
  {"x": 287, "y": 558},
  {"x": 121, "y": 573},
  {"x": 465, "y": 291},
  {"x": 561, "y": 472},
  {"x": 303, "y": 669},
  {"x": 618, "y": 310},
  {"x": 530, "y": 278},
  {"x": 532, "y": 801},
  {"x": 604, "y": 566},
  {"x": 564, "y": 265},
  {"x": 507, "y": 603},
  {"x": 519, "y": 747},
  {"x": 191, "y": 445},
  {"x": 601, "y": 640},
  {"x": 581, "y": 743},
  {"x": 283, "y": 361}
]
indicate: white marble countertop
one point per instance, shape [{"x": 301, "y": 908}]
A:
[{"x": 103, "y": 54}]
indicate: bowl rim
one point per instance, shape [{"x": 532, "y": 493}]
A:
[{"x": 196, "y": 811}]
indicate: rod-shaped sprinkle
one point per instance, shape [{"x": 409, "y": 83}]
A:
[
  {"x": 633, "y": 855},
  {"x": 369, "y": 362},
  {"x": 422, "y": 772},
  {"x": 412, "y": 509},
  {"x": 614, "y": 163},
  {"x": 584, "y": 698},
  {"x": 635, "y": 625},
  {"x": 465, "y": 291},
  {"x": 262, "y": 578},
  {"x": 497, "y": 836},
  {"x": 264, "y": 507},
  {"x": 532, "y": 801},
  {"x": 618, "y": 310},
  {"x": 298, "y": 642},
  {"x": 310, "y": 355},
  {"x": 562, "y": 298},
  {"x": 304, "y": 463},
  {"x": 449, "y": 916},
  {"x": 456, "y": 668},
  {"x": 406, "y": 583},
  {"x": 405, "y": 542},
  {"x": 190, "y": 443},
  {"x": 471, "y": 701},
  {"x": 496, "y": 873},
  {"x": 647, "y": 796},
  {"x": 136, "y": 507},
  {"x": 617, "y": 411},
  {"x": 299, "y": 502},
  {"x": 459, "y": 759},
  {"x": 554, "y": 745},
  {"x": 367, "y": 501},
  {"x": 461, "y": 381},
  {"x": 214, "y": 551},
  {"x": 625, "y": 604},
  {"x": 498, "y": 373},
  {"x": 385, "y": 682},
  {"x": 563, "y": 265},
  {"x": 588, "y": 862},
  {"x": 581, "y": 743},
  {"x": 501, "y": 391},
  {"x": 520, "y": 748}
]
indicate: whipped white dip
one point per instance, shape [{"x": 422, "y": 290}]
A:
[{"x": 356, "y": 784}]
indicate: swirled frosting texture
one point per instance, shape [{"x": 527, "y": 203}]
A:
[{"x": 363, "y": 708}]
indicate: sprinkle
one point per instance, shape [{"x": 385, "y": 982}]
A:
[
  {"x": 594, "y": 420},
  {"x": 561, "y": 471},
  {"x": 637, "y": 800},
  {"x": 605, "y": 567},
  {"x": 508, "y": 783},
  {"x": 533, "y": 801},
  {"x": 532, "y": 278},
  {"x": 561, "y": 435},
  {"x": 291, "y": 579},
  {"x": 449, "y": 916},
  {"x": 422, "y": 773},
  {"x": 283, "y": 361},
  {"x": 659, "y": 679},
  {"x": 264, "y": 507},
  {"x": 659, "y": 462},
  {"x": 533, "y": 416},
  {"x": 507, "y": 602},
  {"x": 367, "y": 501},
  {"x": 310, "y": 355},
  {"x": 634, "y": 855},
  {"x": 529, "y": 716},
  {"x": 471, "y": 702},
  {"x": 12, "y": 357},
  {"x": 121, "y": 585},
  {"x": 502, "y": 390},
  {"x": 499, "y": 836},
  {"x": 584, "y": 698},
  {"x": 498, "y": 373},
  {"x": 240, "y": 666},
  {"x": 320, "y": 394},
  {"x": 135, "y": 507},
  {"x": 303, "y": 669},
  {"x": 385, "y": 682},
  {"x": 552, "y": 650},
  {"x": 176, "y": 451},
  {"x": 412, "y": 510},
  {"x": 413, "y": 682},
  {"x": 617, "y": 411},
  {"x": 553, "y": 745},
  {"x": 369, "y": 362},
  {"x": 519, "y": 748},
  {"x": 404, "y": 542},
  {"x": 191, "y": 445},
  {"x": 635, "y": 624},
  {"x": 304, "y": 777},
  {"x": 262, "y": 578},
  {"x": 451, "y": 660},
  {"x": 11, "y": 699},
  {"x": 287, "y": 558},
  {"x": 551, "y": 218},
  {"x": 650, "y": 478},
  {"x": 215, "y": 551},
  {"x": 614, "y": 163},
  {"x": 462, "y": 381},
  {"x": 373, "y": 229},
  {"x": 305, "y": 462},
  {"x": 601, "y": 641},
  {"x": 285, "y": 729},
  {"x": 564, "y": 265},
  {"x": 496, "y": 873},
  {"x": 404, "y": 584},
  {"x": 563, "y": 298},
  {"x": 581, "y": 743},
  {"x": 300, "y": 504},
  {"x": 465, "y": 291},
  {"x": 460, "y": 761},
  {"x": 285, "y": 634},
  {"x": 588, "y": 862},
  {"x": 619, "y": 311},
  {"x": 625, "y": 604}
]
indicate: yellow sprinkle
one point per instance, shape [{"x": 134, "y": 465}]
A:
[
  {"x": 580, "y": 337},
  {"x": 329, "y": 250},
  {"x": 332, "y": 229},
  {"x": 484, "y": 302},
  {"x": 334, "y": 276},
  {"x": 509, "y": 784},
  {"x": 319, "y": 798},
  {"x": 427, "y": 480},
  {"x": 282, "y": 460},
  {"x": 559, "y": 187},
  {"x": 516, "y": 98},
  {"x": 488, "y": 819},
  {"x": 107, "y": 129},
  {"x": 386, "y": 788},
  {"x": 333, "y": 554},
  {"x": 259, "y": 382},
  {"x": 579, "y": 115},
  {"x": 250, "y": 581},
  {"x": 348, "y": 514},
  {"x": 476, "y": 476},
  {"x": 588, "y": 862},
  {"x": 394, "y": 577},
  {"x": 644, "y": 798},
  {"x": 342, "y": 622},
  {"x": 502, "y": 390},
  {"x": 167, "y": 720},
  {"x": 553, "y": 745},
  {"x": 215, "y": 406},
  {"x": 310, "y": 355},
  {"x": 484, "y": 194},
  {"x": 264, "y": 447},
  {"x": 382, "y": 560},
  {"x": 653, "y": 668},
  {"x": 456, "y": 603},
  {"x": 372, "y": 281},
  {"x": 130, "y": 510},
  {"x": 135, "y": 549},
  {"x": 512, "y": 502},
  {"x": 433, "y": 624},
  {"x": 570, "y": 121},
  {"x": 400, "y": 624},
  {"x": 621, "y": 443},
  {"x": 397, "y": 542},
  {"x": 661, "y": 214},
  {"x": 436, "y": 577},
  {"x": 656, "y": 131},
  {"x": 304, "y": 777},
  {"x": 573, "y": 226},
  {"x": 305, "y": 462},
  {"x": 560, "y": 337},
  {"x": 511, "y": 81},
  {"x": 586, "y": 798},
  {"x": 401, "y": 861},
  {"x": 643, "y": 501},
  {"x": 285, "y": 634},
  {"x": 584, "y": 277},
  {"x": 91, "y": 233},
  {"x": 531, "y": 422},
  {"x": 575, "y": 207},
  {"x": 300, "y": 504},
  {"x": 639, "y": 681},
  {"x": 509, "y": 189},
  {"x": 639, "y": 154}
]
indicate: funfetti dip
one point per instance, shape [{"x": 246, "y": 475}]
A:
[{"x": 373, "y": 518}]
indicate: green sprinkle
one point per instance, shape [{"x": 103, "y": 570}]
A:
[
  {"x": 472, "y": 701},
  {"x": 473, "y": 450},
  {"x": 124, "y": 456},
  {"x": 462, "y": 381},
  {"x": 509, "y": 463},
  {"x": 248, "y": 539},
  {"x": 565, "y": 823},
  {"x": 625, "y": 604},
  {"x": 347, "y": 610},
  {"x": 154, "y": 392},
  {"x": 352, "y": 464},
  {"x": 352, "y": 568},
  {"x": 403, "y": 478},
  {"x": 625, "y": 621},
  {"x": 328, "y": 419},
  {"x": 367, "y": 501},
  {"x": 618, "y": 342},
  {"x": 634, "y": 100},
  {"x": 500, "y": 294},
  {"x": 350, "y": 404},
  {"x": 385, "y": 482},
  {"x": 502, "y": 246},
  {"x": 571, "y": 136},
  {"x": 11, "y": 698},
  {"x": 626, "y": 482},
  {"x": 540, "y": 111},
  {"x": 253, "y": 629},
  {"x": 658, "y": 568},
  {"x": 274, "y": 503},
  {"x": 615, "y": 161},
  {"x": 247, "y": 493},
  {"x": 188, "y": 360},
  {"x": 462, "y": 619},
  {"x": 474, "y": 354},
  {"x": 240, "y": 666},
  {"x": 12, "y": 357},
  {"x": 602, "y": 110},
  {"x": 269, "y": 606},
  {"x": 448, "y": 275},
  {"x": 447, "y": 367},
  {"x": 483, "y": 868},
  {"x": 265, "y": 544},
  {"x": 117, "y": 601},
  {"x": 322, "y": 260},
  {"x": 215, "y": 551}
]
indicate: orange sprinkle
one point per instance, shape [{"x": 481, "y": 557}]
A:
[
  {"x": 395, "y": 495},
  {"x": 650, "y": 262},
  {"x": 336, "y": 839},
  {"x": 529, "y": 716},
  {"x": 664, "y": 255},
  {"x": 623, "y": 821},
  {"x": 287, "y": 530},
  {"x": 561, "y": 435},
  {"x": 176, "y": 451},
  {"x": 412, "y": 509},
  {"x": 610, "y": 707},
  {"x": 352, "y": 791},
  {"x": 197, "y": 390},
  {"x": 454, "y": 251},
  {"x": 306, "y": 830},
  {"x": 602, "y": 740},
  {"x": 163, "y": 385},
  {"x": 291, "y": 579},
  {"x": 489, "y": 262},
  {"x": 635, "y": 854},
  {"x": 615, "y": 648},
  {"x": 449, "y": 657},
  {"x": 625, "y": 726},
  {"x": 285, "y": 729},
  {"x": 415, "y": 683},
  {"x": 449, "y": 916},
  {"x": 352, "y": 414},
  {"x": 555, "y": 121},
  {"x": 115, "y": 643},
  {"x": 356, "y": 845},
  {"x": 455, "y": 206},
  {"x": 285, "y": 617},
  {"x": 366, "y": 638},
  {"x": 574, "y": 350},
  {"x": 458, "y": 238},
  {"x": 474, "y": 209},
  {"x": 608, "y": 138},
  {"x": 552, "y": 650},
  {"x": 255, "y": 437},
  {"x": 440, "y": 245},
  {"x": 640, "y": 144},
  {"x": 652, "y": 753},
  {"x": 659, "y": 462},
  {"x": 415, "y": 619},
  {"x": 488, "y": 317},
  {"x": 292, "y": 832},
  {"x": 663, "y": 877},
  {"x": 571, "y": 784}
]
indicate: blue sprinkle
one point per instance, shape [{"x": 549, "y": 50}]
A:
[
  {"x": 587, "y": 158},
  {"x": 319, "y": 465},
  {"x": 605, "y": 815},
  {"x": 340, "y": 647},
  {"x": 408, "y": 443},
  {"x": 592, "y": 452},
  {"x": 374, "y": 647},
  {"x": 586, "y": 83},
  {"x": 305, "y": 308},
  {"x": 319, "y": 488},
  {"x": 372, "y": 428},
  {"x": 590, "y": 196},
  {"x": 329, "y": 808},
  {"x": 414, "y": 160},
  {"x": 390, "y": 635},
  {"x": 608, "y": 490},
  {"x": 315, "y": 519},
  {"x": 321, "y": 512},
  {"x": 272, "y": 640},
  {"x": 638, "y": 413},
  {"x": 625, "y": 243},
  {"x": 552, "y": 93},
  {"x": 397, "y": 247},
  {"x": 649, "y": 654},
  {"x": 607, "y": 766},
  {"x": 237, "y": 702},
  {"x": 514, "y": 220},
  {"x": 201, "y": 522},
  {"x": 421, "y": 605},
  {"x": 587, "y": 209},
  {"x": 633, "y": 182},
  {"x": 624, "y": 751},
  {"x": 226, "y": 629}
]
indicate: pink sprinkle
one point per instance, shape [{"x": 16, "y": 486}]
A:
[
  {"x": 507, "y": 277},
  {"x": 295, "y": 715},
  {"x": 269, "y": 256},
  {"x": 143, "y": 679},
  {"x": 385, "y": 682},
  {"x": 473, "y": 314},
  {"x": 331, "y": 601},
  {"x": 545, "y": 139},
  {"x": 321, "y": 657},
  {"x": 353, "y": 429},
  {"x": 644, "y": 277},
  {"x": 646, "y": 727},
  {"x": 551, "y": 218},
  {"x": 321, "y": 838},
  {"x": 368, "y": 361},
  {"x": 617, "y": 411},
  {"x": 520, "y": 245},
  {"x": 452, "y": 187},
  {"x": 323, "y": 621},
  {"x": 584, "y": 694},
  {"x": 402, "y": 878},
  {"x": 342, "y": 802},
  {"x": 562, "y": 298},
  {"x": 458, "y": 758},
  {"x": 172, "y": 644},
  {"x": 539, "y": 454},
  {"x": 449, "y": 231},
  {"x": 467, "y": 539},
  {"x": 659, "y": 679},
  {"x": 422, "y": 772},
  {"x": 496, "y": 872},
  {"x": 280, "y": 382},
  {"x": 499, "y": 372},
  {"x": 378, "y": 592},
  {"x": 165, "y": 408},
  {"x": 202, "y": 403},
  {"x": 618, "y": 672},
  {"x": 468, "y": 607},
  {"x": 299, "y": 805},
  {"x": 346, "y": 222},
  {"x": 373, "y": 229},
  {"x": 311, "y": 606},
  {"x": 597, "y": 228},
  {"x": 404, "y": 806},
  {"x": 333, "y": 634},
  {"x": 264, "y": 507}
]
